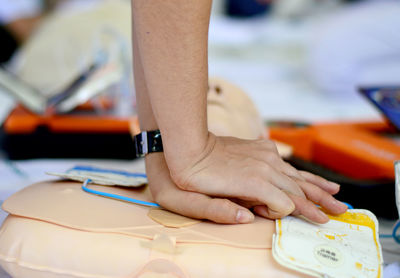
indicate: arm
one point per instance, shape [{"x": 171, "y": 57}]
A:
[
  {"x": 164, "y": 191},
  {"x": 171, "y": 39}
]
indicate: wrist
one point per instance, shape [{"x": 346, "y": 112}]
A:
[
  {"x": 183, "y": 139},
  {"x": 155, "y": 163},
  {"x": 187, "y": 158}
]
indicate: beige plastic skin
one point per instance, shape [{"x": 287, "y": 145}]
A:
[
  {"x": 64, "y": 203},
  {"x": 170, "y": 219},
  {"x": 37, "y": 249},
  {"x": 122, "y": 241}
]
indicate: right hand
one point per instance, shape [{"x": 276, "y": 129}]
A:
[
  {"x": 190, "y": 204},
  {"x": 252, "y": 171}
]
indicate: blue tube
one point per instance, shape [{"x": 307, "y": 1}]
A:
[
  {"x": 394, "y": 234},
  {"x": 99, "y": 170},
  {"x": 117, "y": 197},
  {"x": 348, "y": 205}
]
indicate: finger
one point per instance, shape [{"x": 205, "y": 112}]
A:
[
  {"x": 266, "y": 212},
  {"x": 258, "y": 190},
  {"x": 308, "y": 210},
  {"x": 323, "y": 198},
  {"x": 280, "y": 180},
  {"x": 246, "y": 204},
  {"x": 326, "y": 185},
  {"x": 292, "y": 172},
  {"x": 260, "y": 209},
  {"x": 200, "y": 206},
  {"x": 271, "y": 155},
  {"x": 255, "y": 187}
]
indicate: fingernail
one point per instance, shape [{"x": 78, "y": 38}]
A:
[
  {"x": 334, "y": 184},
  {"x": 243, "y": 216}
]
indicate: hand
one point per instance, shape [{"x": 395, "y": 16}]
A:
[
  {"x": 320, "y": 192},
  {"x": 252, "y": 171},
  {"x": 191, "y": 204}
]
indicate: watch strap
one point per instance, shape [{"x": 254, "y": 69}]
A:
[{"x": 148, "y": 142}]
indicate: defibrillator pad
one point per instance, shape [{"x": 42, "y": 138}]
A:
[{"x": 347, "y": 246}]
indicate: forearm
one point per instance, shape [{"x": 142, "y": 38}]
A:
[
  {"x": 172, "y": 41},
  {"x": 145, "y": 111}
]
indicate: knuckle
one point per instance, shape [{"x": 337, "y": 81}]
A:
[
  {"x": 270, "y": 144},
  {"x": 185, "y": 184},
  {"x": 225, "y": 204},
  {"x": 268, "y": 170},
  {"x": 320, "y": 196},
  {"x": 290, "y": 167},
  {"x": 256, "y": 181},
  {"x": 273, "y": 158}
]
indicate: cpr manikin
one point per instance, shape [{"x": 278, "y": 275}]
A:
[{"x": 56, "y": 230}]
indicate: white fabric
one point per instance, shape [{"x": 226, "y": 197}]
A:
[
  {"x": 11, "y": 10},
  {"x": 358, "y": 46}
]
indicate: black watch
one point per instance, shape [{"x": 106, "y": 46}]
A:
[{"x": 148, "y": 142}]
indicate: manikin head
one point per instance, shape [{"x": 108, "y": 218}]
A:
[{"x": 231, "y": 112}]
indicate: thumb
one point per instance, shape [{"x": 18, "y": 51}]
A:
[{"x": 200, "y": 206}]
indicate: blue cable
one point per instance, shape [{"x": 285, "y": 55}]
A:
[
  {"x": 99, "y": 170},
  {"x": 117, "y": 197},
  {"x": 394, "y": 234},
  {"x": 348, "y": 205},
  {"x": 150, "y": 204}
]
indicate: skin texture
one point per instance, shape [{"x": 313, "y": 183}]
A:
[{"x": 223, "y": 179}]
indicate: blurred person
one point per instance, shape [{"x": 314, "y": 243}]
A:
[{"x": 18, "y": 19}]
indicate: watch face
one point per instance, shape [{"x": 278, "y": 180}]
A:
[{"x": 387, "y": 100}]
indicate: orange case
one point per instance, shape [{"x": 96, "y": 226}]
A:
[
  {"x": 357, "y": 150},
  {"x": 22, "y": 121}
]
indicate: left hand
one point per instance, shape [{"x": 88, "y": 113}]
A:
[{"x": 318, "y": 191}]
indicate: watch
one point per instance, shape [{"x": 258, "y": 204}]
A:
[{"x": 148, "y": 142}]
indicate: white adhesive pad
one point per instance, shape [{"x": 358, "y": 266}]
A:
[
  {"x": 347, "y": 246},
  {"x": 103, "y": 176}
]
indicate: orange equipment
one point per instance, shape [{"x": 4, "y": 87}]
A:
[{"x": 357, "y": 150}]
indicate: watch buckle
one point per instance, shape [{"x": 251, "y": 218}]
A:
[{"x": 141, "y": 145}]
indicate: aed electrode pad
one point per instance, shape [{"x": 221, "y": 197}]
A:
[{"x": 347, "y": 246}]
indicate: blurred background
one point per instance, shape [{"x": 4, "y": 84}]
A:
[
  {"x": 316, "y": 52},
  {"x": 66, "y": 86}
]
